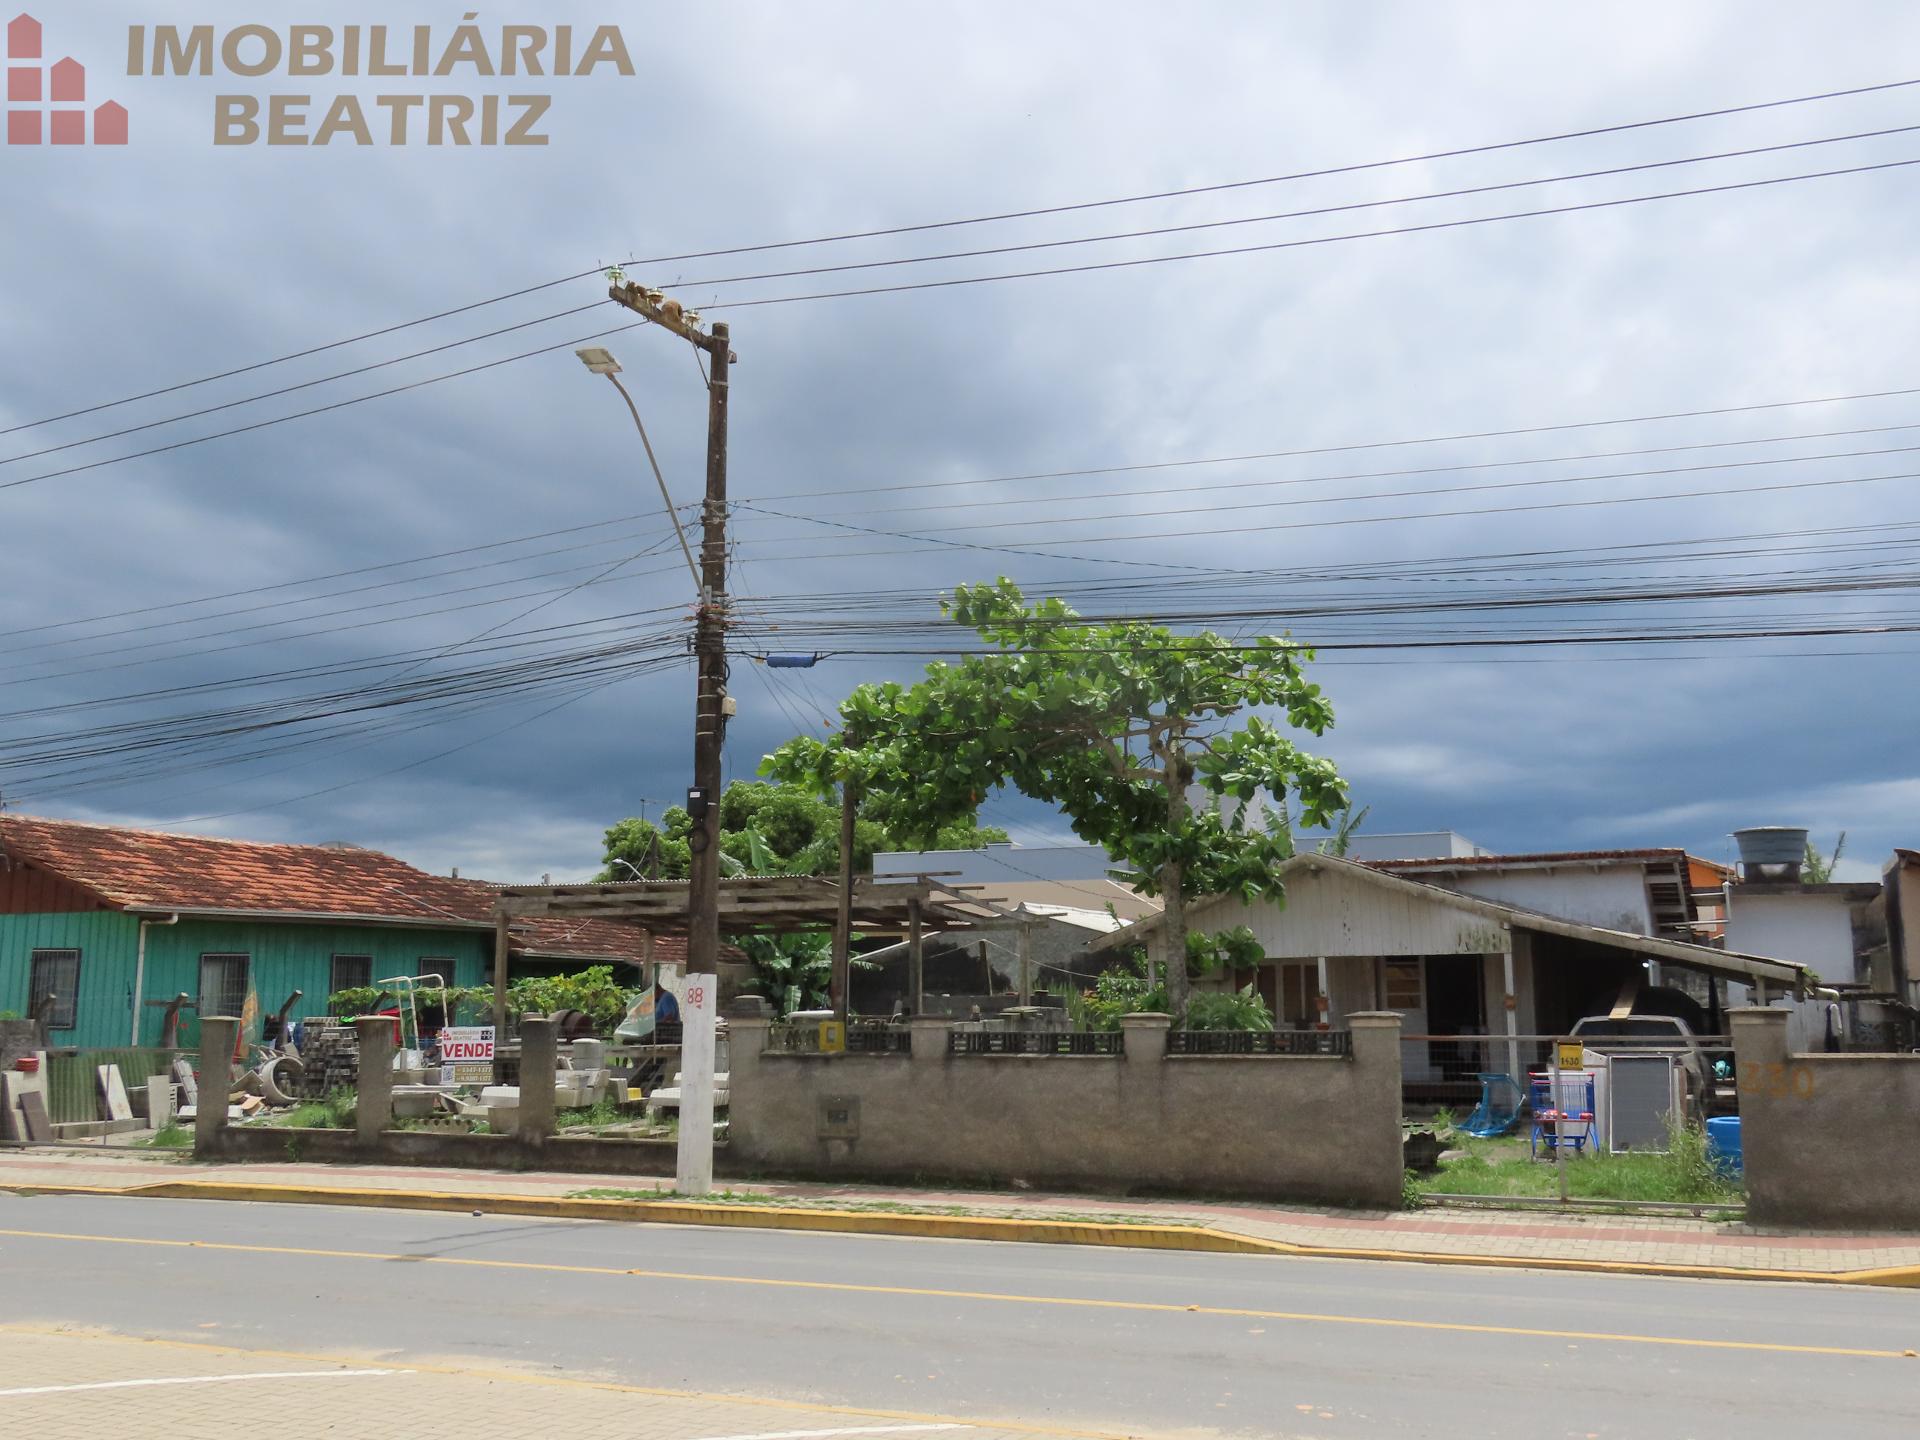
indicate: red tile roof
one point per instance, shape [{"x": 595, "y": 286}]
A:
[{"x": 155, "y": 870}]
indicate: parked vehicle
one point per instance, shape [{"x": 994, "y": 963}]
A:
[{"x": 1640, "y": 1034}]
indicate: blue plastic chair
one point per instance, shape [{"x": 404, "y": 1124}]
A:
[{"x": 1498, "y": 1110}]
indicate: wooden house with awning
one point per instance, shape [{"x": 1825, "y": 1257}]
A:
[{"x": 1349, "y": 937}]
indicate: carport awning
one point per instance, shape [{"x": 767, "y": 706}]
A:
[{"x": 1726, "y": 964}]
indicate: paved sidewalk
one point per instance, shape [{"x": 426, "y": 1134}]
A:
[
  {"x": 98, "y": 1383},
  {"x": 1586, "y": 1239}
]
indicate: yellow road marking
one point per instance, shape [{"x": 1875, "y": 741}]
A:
[
  {"x": 658, "y": 1392},
  {"x": 1150, "y": 1236},
  {"x": 988, "y": 1296}
]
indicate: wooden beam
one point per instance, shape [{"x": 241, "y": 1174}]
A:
[
  {"x": 843, "y": 915},
  {"x": 502, "y": 946},
  {"x": 916, "y": 961}
]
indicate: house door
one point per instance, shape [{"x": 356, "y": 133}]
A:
[
  {"x": 1296, "y": 989},
  {"x": 1404, "y": 988},
  {"x": 1456, "y": 1005}
]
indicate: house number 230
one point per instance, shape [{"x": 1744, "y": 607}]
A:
[{"x": 1777, "y": 1081}]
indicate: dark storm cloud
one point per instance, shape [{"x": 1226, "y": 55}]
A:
[{"x": 764, "y": 122}]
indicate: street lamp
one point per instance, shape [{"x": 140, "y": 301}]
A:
[{"x": 601, "y": 362}]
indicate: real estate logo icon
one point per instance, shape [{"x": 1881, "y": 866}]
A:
[{"x": 46, "y": 104}]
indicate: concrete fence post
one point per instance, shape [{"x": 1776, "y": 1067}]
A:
[
  {"x": 1146, "y": 1037},
  {"x": 373, "y": 1091},
  {"x": 539, "y": 1056},
  {"x": 749, "y": 1025},
  {"x": 1374, "y": 1128},
  {"x": 1761, "y": 1057},
  {"x": 928, "y": 1036},
  {"x": 218, "y": 1035}
]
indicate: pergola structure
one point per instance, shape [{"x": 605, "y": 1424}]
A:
[{"x": 749, "y": 905}]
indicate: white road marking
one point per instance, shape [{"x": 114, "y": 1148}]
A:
[
  {"x": 854, "y": 1430},
  {"x": 213, "y": 1380}
]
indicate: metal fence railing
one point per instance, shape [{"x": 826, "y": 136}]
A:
[
  {"x": 876, "y": 1040},
  {"x": 1260, "y": 1042},
  {"x": 804, "y": 1039},
  {"x": 1036, "y": 1042}
]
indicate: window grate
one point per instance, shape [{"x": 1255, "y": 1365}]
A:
[
  {"x": 1036, "y": 1042},
  {"x": 55, "y": 973},
  {"x": 223, "y": 984},
  {"x": 350, "y": 972}
]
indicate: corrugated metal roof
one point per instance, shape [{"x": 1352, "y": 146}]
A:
[{"x": 1543, "y": 857}]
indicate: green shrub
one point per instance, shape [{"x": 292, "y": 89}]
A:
[
  {"x": 170, "y": 1136},
  {"x": 1121, "y": 991},
  {"x": 1411, "y": 1195},
  {"x": 1229, "y": 1010}
]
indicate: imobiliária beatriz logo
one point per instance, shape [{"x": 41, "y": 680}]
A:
[{"x": 46, "y": 104}]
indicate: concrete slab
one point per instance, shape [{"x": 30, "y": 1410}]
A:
[
  {"x": 159, "y": 1101},
  {"x": 113, "y": 1093},
  {"x": 33, "y": 1110}
]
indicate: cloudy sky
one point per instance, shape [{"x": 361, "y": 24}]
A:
[{"x": 157, "y": 588}]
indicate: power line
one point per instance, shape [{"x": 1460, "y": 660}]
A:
[
  {"x": 303, "y": 385},
  {"x": 1319, "y": 210},
  {"x": 323, "y": 409},
  {"x": 1405, "y": 494},
  {"x": 1297, "y": 244},
  {"x": 1457, "y": 152},
  {"x": 972, "y": 280},
  {"x": 1030, "y": 213},
  {"x": 1350, "y": 447},
  {"x": 67, "y": 643},
  {"x": 1318, "y": 524},
  {"x": 342, "y": 575},
  {"x": 1452, "y": 467}
]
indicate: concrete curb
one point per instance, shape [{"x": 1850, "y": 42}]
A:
[{"x": 1144, "y": 1236}]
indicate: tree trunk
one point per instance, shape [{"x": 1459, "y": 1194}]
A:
[{"x": 1173, "y": 922}]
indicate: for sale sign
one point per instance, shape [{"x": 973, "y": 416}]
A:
[{"x": 466, "y": 1055}]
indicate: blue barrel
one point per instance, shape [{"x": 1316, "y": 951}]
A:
[{"x": 1723, "y": 1143}]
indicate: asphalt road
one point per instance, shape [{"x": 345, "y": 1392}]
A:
[{"x": 1129, "y": 1342}]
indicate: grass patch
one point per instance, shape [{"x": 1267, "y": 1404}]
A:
[
  {"x": 336, "y": 1112},
  {"x": 1685, "y": 1175},
  {"x": 170, "y": 1136},
  {"x": 598, "y": 1115}
]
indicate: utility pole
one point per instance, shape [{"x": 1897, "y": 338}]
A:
[
  {"x": 699, "y": 1004},
  {"x": 840, "y": 983}
]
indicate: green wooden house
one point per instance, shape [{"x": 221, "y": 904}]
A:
[{"x": 113, "y": 923}]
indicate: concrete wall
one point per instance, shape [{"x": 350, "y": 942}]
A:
[
  {"x": 1615, "y": 898},
  {"x": 1830, "y": 1140},
  {"x": 583, "y": 1154},
  {"x": 1306, "y": 1129},
  {"x": 1811, "y": 930}
]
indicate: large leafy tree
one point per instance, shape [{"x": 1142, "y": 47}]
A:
[
  {"x": 782, "y": 829},
  {"x": 1113, "y": 722}
]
